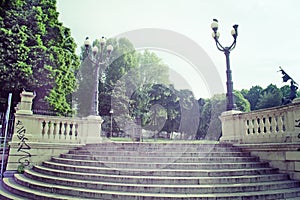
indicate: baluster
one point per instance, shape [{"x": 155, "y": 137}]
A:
[
  {"x": 43, "y": 128},
  {"x": 262, "y": 125},
  {"x": 268, "y": 124},
  {"x": 49, "y": 129},
  {"x": 247, "y": 131},
  {"x": 273, "y": 124},
  {"x": 54, "y": 129},
  {"x": 76, "y": 130},
  {"x": 280, "y": 124},
  {"x": 60, "y": 129},
  {"x": 251, "y": 126},
  {"x": 65, "y": 129},
  {"x": 256, "y": 126},
  {"x": 71, "y": 130},
  {"x": 284, "y": 122}
]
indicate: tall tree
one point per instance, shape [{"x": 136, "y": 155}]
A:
[
  {"x": 285, "y": 90},
  {"x": 253, "y": 95},
  {"x": 120, "y": 108},
  {"x": 37, "y": 54},
  {"x": 241, "y": 102},
  {"x": 204, "y": 118},
  {"x": 159, "y": 107},
  {"x": 189, "y": 114},
  {"x": 210, "y": 126},
  {"x": 270, "y": 97},
  {"x": 122, "y": 60},
  {"x": 218, "y": 105},
  {"x": 152, "y": 70}
]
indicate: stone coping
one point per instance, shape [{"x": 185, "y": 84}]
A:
[{"x": 295, "y": 146}]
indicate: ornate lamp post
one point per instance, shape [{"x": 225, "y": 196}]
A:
[
  {"x": 226, "y": 50},
  {"x": 98, "y": 60}
]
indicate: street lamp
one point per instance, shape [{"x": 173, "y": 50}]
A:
[
  {"x": 98, "y": 60},
  {"x": 111, "y": 112},
  {"x": 226, "y": 50}
]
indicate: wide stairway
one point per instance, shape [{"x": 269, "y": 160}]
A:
[{"x": 153, "y": 171}]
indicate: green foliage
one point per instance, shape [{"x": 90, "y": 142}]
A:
[
  {"x": 241, "y": 102},
  {"x": 21, "y": 168},
  {"x": 204, "y": 118},
  {"x": 189, "y": 113},
  {"x": 165, "y": 96},
  {"x": 120, "y": 106},
  {"x": 218, "y": 105},
  {"x": 37, "y": 53},
  {"x": 252, "y": 96},
  {"x": 125, "y": 84},
  {"x": 244, "y": 92},
  {"x": 285, "y": 91},
  {"x": 152, "y": 70},
  {"x": 122, "y": 60},
  {"x": 150, "y": 81},
  {"x": 270, "y": 97},
  {"x": 153, "y": 104},
  {"x": 210, "y": 126}
]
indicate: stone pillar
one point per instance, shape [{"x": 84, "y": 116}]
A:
[
  {"x": 232, "y": 127},
  {"x": 91, "y": 130},
  {"x": 24, "y": 107},
  {"x": 19, "y": 149},
  {"x": 296, "y": 121}
]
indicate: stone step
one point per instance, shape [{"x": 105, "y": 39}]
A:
[
  {"x": 160, "y": 148},
  {"x": 5, "y": 194},
  {"x": 89, "y": 190},
  {"x": 159, "y": 144},
  {"x": 14, "y": 191},
  {"x": 145, "y": 171},
  {"x": 40, "y": 170},
  {"x": 166, "y": 189},
  {"x": 158, "y": 165},
  {"x": 160, "y": 172},
  {"x": 161, "y": 159},
  {"x": 292, "y": 193},
  {"x": 160, "y": 154}
]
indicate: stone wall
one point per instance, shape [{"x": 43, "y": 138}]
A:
[{"x": 284, "y": 156}]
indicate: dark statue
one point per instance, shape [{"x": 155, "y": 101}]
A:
[{"x": 293, "y": 87}]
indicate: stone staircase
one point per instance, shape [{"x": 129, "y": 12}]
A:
[{"x": 153, "y": 171}]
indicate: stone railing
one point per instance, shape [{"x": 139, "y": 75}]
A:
[
  {"x": 271, "y": 134},
  {"x": 273, "y": 125},
  {"x": 37, "y": 137},
  {"x": 53, "y": 129}
]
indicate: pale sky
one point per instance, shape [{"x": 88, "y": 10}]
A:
[{"x": 268, "y": 34}]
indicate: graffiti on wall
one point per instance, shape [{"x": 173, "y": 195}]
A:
[{"x": 23, "y": 146}]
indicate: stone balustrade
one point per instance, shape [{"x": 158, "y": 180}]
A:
[
  {"x": 273, "y": 125},
  {"x": 271, "y": 134},
  {"x": 38, "y": 137},
  {"x": 40, "y": 128},
  {"x": 59, "y": 129}
]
